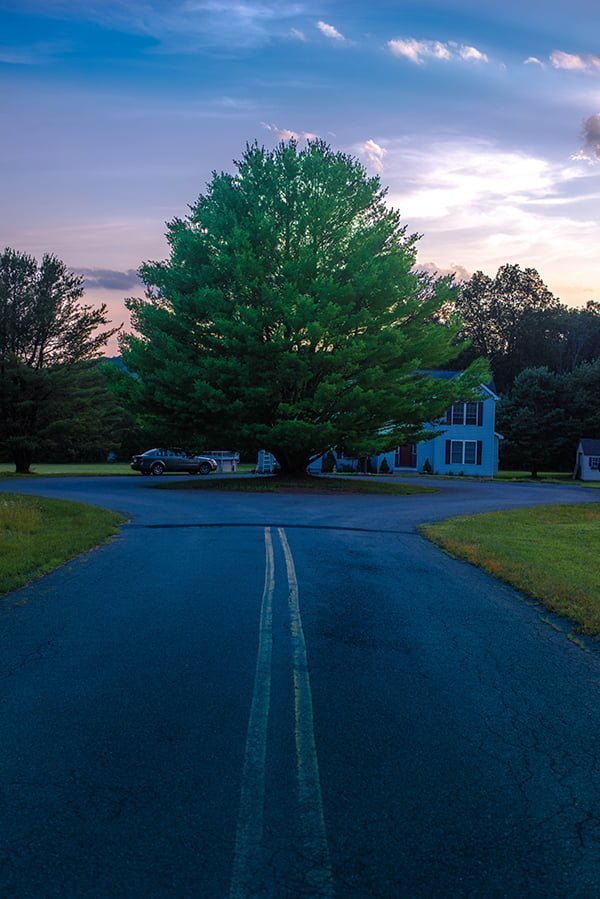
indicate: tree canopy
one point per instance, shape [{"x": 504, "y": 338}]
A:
[
  {"x": 49, "y": 381},
  {"x": 289, "y": 315},
  {"x": 515, "y": 322}
]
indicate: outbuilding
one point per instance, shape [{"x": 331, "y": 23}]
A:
[{"x": 587, "y": 466}]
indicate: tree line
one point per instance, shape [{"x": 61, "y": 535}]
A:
[{"x": 290, "y": 316}]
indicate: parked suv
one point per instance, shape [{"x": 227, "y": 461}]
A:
[{"x": 157, "y": 461}]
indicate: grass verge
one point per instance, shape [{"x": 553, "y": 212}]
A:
[
  {"x": 551, "y": 477},
  {"x": 548, "y": 552},
  {"x": 298, "y": 485},
  {"x": 80, "y": 469},
  {"x": 37, "y": 535}
]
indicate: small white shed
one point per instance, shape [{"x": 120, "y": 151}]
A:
[{"x": 587, "y": 466}]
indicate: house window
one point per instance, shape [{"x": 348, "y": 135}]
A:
[
  {"x": 463, "y": 452},
  {"x": 595, "y": 463},
  {"x": 470, "y": 413},
  {"x": 465, "y": 414}
]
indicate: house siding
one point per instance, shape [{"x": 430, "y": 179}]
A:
[{"x": 434, "y": 450}]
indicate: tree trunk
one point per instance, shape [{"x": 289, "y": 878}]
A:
[
  {"x": 292, "y": 465},
  {"x": 22, "y": 460},
  {"x": 534, "y": 471}
]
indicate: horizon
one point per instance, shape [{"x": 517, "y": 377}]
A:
[{"x": 484, "y": 124}]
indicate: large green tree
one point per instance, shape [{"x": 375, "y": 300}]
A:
[
  {"x": 49, "y": 381},
  {"x": 289, "y": 315}
]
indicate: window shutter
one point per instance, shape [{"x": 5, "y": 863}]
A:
[
  {"x": 448, "y": 442},
  {"x": 479, "y": 414},
  {"x": 479, "y": 451},
  {"x": 449, "y": 416}
]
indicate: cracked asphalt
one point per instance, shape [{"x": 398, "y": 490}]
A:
[{"x": 456, "y": 726}]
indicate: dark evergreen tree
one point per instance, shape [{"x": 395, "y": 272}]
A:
[
  {"x": 289, "y": 315},
  {"x": 48, "y": 341}
]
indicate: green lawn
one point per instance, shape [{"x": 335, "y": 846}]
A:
[
  {"x": 38, "y": 534},
  {"x": 549, "y": 552},
  {"x": 72, "y": 469},
  {"x": 298, "y": 485},
  {"x": 553, "y": 477}
]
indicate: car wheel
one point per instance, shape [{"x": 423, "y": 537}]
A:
[
  {"x": 204, "y": 468},
  {"x": 157, "y": 469}
]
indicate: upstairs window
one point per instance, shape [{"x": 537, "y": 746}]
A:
[
  {"x": 465, "y": 414},
  {"x": 595, "y": 463}
]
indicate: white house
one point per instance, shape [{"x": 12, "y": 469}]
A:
[
  {"x": 468, "y": 443},
  {"x": 587, "y": 466}
]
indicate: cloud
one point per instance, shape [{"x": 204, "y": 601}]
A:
[
  {"x": 374, "y": 154},
  {"x": 297, "y": 34},
  {"x": 185, "y": 26},
  {"x": 591, "y": 140},
  {"x": 562, "y": 60},
  {"x": 329, "y": 31},
  {"x": 420, "y": 51},
  {"x": 533, "y": 60},
  {"x": 431, "y": 268},
  {"x": 484, "y": 205},
  {"x": 472, "y": 54},
  {"x": 287, "y": 133},
  {"x": 109, "y": 279}
]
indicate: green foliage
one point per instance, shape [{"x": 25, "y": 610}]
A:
[
  {"x": 515, "y": 321},
  {"x": 546, "y": 414},
  {"x": 427, "y": 469},
  {"x": 328, "y": 464},
  {"x": 289, "y": 315},
  {"x": 49, "y": 384},
  {"x": 384, "y": 468}
]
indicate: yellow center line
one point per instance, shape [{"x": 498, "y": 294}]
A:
[
  {"x": 312, "y": 819},
  {"x": 252, "y": 800}
]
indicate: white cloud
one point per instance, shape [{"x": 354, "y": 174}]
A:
[
  {"x": 562, "y": 60},
  {"x": 419, "y": 51},
  {"x": 483, "y": 205},
  {"x": 374, "y": 153},
  {"x": 297, "y": 34},
  {"x": 533, "y": 60},
  {"x": 590, "y": 150},
  {"x": 330, "y": 32},
  {"x": 288, "y": 134},
  {"x": 472, "y": 54}
]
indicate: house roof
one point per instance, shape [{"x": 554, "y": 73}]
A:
[
  {"x": 445, "y": 375},
  {"x": 590, "y": 447}
]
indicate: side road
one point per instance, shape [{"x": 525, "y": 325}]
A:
[{"x": 146, "y": 503}]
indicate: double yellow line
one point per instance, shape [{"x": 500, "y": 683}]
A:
[{"x": 252, "y": 799}]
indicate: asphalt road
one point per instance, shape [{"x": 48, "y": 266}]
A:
[{"x": 288, "y": 696}]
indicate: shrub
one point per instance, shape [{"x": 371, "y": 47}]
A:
[
  {"x": 384, "y": 468},
  {"x": 328, "y": 464},
  {"x": 427, "y": 469}
]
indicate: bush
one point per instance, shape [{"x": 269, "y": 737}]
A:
[
  {"x": 384, "y": 468},
  {"x": 427, "y": 469},
  {"x": 328, "y": 464}
]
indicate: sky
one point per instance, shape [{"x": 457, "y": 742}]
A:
[{"x": 481, "y": 117}]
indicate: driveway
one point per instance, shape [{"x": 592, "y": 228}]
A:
[{"x": 287, "y": 696}]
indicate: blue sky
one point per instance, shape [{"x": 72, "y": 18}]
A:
[{"x": 482, "y": 118}]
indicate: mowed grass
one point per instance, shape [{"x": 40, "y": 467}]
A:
[
  {"x": 305, "y": 485},
  {"x": 551, "y": 553},
  {"x": 552, "y": 477},
  {"x": 37, "y": 534},
  {"x": 80, "y": 469},
  {"x": 66, "y": 469}
]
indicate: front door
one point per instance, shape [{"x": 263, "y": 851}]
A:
[{"x": 406, "y": 456}]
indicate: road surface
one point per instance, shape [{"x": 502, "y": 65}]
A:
[{"x": 254, "y": 695}]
